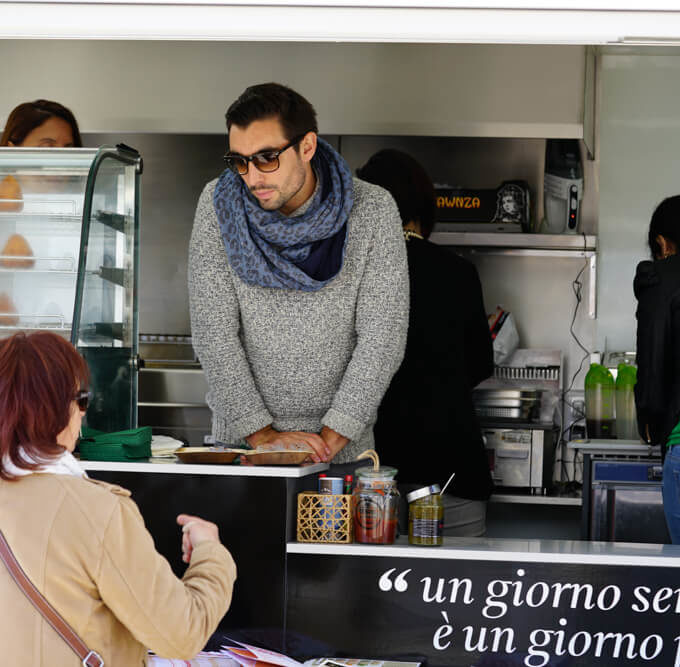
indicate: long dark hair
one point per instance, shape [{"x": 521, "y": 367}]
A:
[
  {"x": 39, "y": 374},
  {"x": 665, "y": 222},
  {"x": 407, "y": 181},
  {"x": 29, "y": 115}
]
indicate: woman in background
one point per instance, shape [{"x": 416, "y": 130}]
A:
[
  {"x": 83, "y": 542},
  {"x": 426, "y": 423},
  {"x": 657, "y": 392},
  {"x": 41, "y": 124}
]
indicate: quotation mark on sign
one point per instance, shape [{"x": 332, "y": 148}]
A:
[{"x": 400, "y": 585}]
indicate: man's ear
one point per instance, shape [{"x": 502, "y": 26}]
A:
[{"x": 308, "y": 146}]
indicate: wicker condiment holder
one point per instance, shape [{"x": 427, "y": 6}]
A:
[{"x": 324, "y": 517}]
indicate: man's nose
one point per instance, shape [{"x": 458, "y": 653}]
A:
[{"x": 253, "y": 176}]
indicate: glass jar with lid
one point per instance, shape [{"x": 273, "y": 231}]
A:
[
  {"x": 426, "y": 516},
  {"x": 375, "y": 505}
]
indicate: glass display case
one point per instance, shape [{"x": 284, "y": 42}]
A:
[{"x": 69, "y": 237}]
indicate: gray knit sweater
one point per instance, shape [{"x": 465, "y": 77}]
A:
[{"x": 302, "y": 360}]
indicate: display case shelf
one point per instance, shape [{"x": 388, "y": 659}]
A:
[
  {"x": 115, "y": 221},
  {"x": 44, "y": 218},
  {"x": 113, "y": 275},
  {"x": 573, "y": 243},
  {"x": 59, "y": 328},
  {"x": 59, "y": 262}
]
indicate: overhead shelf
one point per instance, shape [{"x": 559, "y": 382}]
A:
[
  {"x": 505, "y": 241},
  {"x": 571, "y": 246}
]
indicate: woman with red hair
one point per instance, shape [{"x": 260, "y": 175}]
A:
[{"x": 83, "y": 542}]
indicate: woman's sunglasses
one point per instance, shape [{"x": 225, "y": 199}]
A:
[{"x": 82, "y": 398}]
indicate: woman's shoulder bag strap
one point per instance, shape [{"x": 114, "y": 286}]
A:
[{"x": 64, "y": 630}]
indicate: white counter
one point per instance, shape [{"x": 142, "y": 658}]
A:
[
  {"x": 539, "y": 551},
  {"x": 179, "y": 468}
]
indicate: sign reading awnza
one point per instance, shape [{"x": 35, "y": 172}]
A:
[{"x": 492, "y": 614}]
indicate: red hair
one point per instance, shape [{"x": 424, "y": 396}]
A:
[{"x": 40, "y": 374}]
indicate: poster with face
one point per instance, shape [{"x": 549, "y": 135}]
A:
[{"x": 511, "y": 204}]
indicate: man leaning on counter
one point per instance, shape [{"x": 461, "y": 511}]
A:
[{"x": 298, "y": 285}]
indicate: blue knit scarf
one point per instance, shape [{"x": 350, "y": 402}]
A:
[{"x": 270, "y": 249}]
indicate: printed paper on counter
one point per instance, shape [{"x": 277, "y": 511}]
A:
[{"x": 252, "y": 656}]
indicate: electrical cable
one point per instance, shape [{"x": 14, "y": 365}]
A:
[{"x": 577, "y": 288}]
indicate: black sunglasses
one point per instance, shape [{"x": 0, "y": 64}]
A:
[
  {"x": 82, "y": 398},
  {"x": 264, "y": 161}
]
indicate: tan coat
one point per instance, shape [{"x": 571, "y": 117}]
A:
[{"x": 84, "y": 545}]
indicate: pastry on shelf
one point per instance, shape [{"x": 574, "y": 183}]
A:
[
  {"x": 10, "y": 195},
  {"x": 8, "y": 316},
  {"x": 17, "y": 246}
]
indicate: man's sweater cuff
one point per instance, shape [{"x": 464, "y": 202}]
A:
[
  {"x": 343, "y": 424},
  {"x": 230, "y": 433}
]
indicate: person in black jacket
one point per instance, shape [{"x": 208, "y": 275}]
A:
[
  {"x": 657, "y": 392},
  {"x": 426, "y": 423}
]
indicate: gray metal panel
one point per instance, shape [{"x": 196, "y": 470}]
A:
[
  {"x": 170, "y": 385},
  {"x": 176, "y": 168}
]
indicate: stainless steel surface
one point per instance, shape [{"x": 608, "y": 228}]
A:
[
  {"x": 626, "y": 504},
  {"x": 507, "y": 404},
  {"x": 615, "y": 448},
  {"x": 487, "y": 395},
  {"x": 172, "y": 385},
  {"x": 490, "y": 412},
  {"x": 172, "y": 402},
  {"x": 520, "y": 458},
  {"x": 534, "y": 377},
  {"x": 161, "y": 350},
  {"x": 523, "y": 241}
]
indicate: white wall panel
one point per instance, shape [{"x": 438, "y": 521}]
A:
[{"x": 639, "y": 166}]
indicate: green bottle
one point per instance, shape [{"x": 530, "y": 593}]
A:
[
  {"x": 600, "y": 403},
  {"x": 626, "y": 419}
]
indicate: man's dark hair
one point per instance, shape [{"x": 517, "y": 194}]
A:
[
  {"x": 406, "y": 180},
  {"x": 273, "y": 100},
  {"x": 665, "y": 221}
]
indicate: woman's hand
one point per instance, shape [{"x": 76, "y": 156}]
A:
[{"x": 194, "y": 531}]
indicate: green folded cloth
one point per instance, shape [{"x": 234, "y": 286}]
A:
[{"x": 130, "y": 445}]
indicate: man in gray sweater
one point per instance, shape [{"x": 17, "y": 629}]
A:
[{"x": 298, "y": 285}]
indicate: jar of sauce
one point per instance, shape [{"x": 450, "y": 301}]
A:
[
  {"x": 426, "y": 516},
  {"x": 375, "y": 505}
]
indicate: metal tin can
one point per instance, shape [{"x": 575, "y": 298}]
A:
[{"x": 331, "y": 485}]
